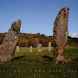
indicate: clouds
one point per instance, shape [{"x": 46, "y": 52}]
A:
[{"x": 74, "y": 34}]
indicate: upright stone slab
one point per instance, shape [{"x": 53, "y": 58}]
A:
[
  {"x": 31, "y": 49},
  {"x": 16, "y": 25},
  {"x": 39, "y": 47},
  {"x": 8, "y": 46},
  {"x": 60, "y": 32},
  {"x": 17, "y": 49},
  {"x": 49, "y": 47}
]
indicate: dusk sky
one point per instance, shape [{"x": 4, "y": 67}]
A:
[{"x": 37, "y": 16}]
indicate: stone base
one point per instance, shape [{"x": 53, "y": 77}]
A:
[{"x": 62, "y": 60}]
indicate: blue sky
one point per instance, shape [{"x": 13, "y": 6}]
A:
[{"x": 37, "y": 15}]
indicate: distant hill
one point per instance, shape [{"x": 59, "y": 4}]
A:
[{"x": 28, "y": 39}]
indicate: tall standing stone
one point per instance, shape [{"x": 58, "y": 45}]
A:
[
  {"x": 31, "y": 49},
  {"x": 39, "y": 47},
  {"x": 49, "y": 47},
  {"x": 60, "y": 32},
  {"x": 8, "y": 46},
  {"x": 16, "y": 25}
]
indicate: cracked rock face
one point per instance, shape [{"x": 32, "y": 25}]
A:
[
  {"x": 16, "y": 26},
  {"x": 8, "y": 46},
  {"x": 60, "y": 32}
]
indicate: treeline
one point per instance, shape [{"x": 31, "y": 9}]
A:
[
  {"x": 28, "y": 39},
  {"x": 33, "y": 39}
]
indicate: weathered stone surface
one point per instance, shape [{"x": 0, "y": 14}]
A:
[
  {"x": 60, "y": 32},
  {"x": 8, "y": 46},
  {"x": 16, "y": 26}
]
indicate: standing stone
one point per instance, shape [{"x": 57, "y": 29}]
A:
[
  {"x": 39, "y": 47},
  {"x": 49, "y": 47},
  {"x": 60, "y": 33},
  {"x": 31, "y": 49},
  {"x": 17, "y": 49},
  {"x": 16, "y": 26},
  {"x": 8, "y": 46}
]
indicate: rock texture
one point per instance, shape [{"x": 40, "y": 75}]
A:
[
  {"x": 8, "y": 46},
  {"x": 16, "y": 26},
  {"x": 60, "y": 32}
]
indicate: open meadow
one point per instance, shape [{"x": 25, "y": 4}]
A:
[
  {"x": 35, "y": 52},
  {"x": 29, "y": 64}
]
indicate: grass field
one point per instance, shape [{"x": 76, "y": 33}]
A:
[
  {"x": 31, "y": 65},
  {"x": 69, "y": 52}
]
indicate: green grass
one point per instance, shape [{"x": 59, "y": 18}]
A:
[
  {"x": 69, "y": 52},
  {"x": 32, "y": 65}
]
